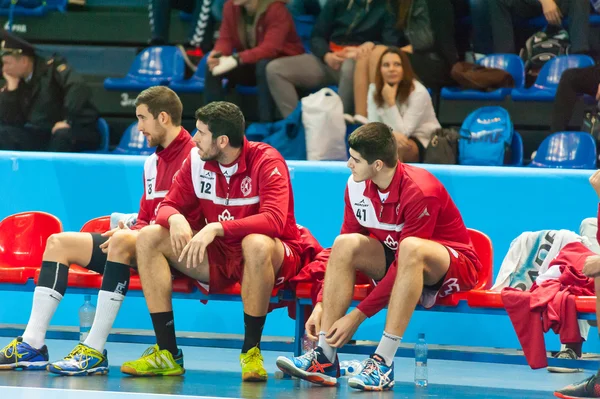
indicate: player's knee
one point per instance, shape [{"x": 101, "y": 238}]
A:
[
  {"x": 257, "y": 246},
  {"x": 345, "y": 245},
  {"x": 411, "y": 251},
  {"x": 597, "y": 285},
  {"x": 149, "y": 238},
  {"x": 122, "y": 243},
  {"x": 54, "y": 244}
]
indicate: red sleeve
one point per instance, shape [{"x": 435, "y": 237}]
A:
[
  {"x": 350, "y": 224},
  {"x": 181, "y": 197},
  {"x": 274, "y": 195},
  {"x": 420, "y": 221},
  {"x": 598, "y": 232},
  {"x": 277, "y": 23},
  {"x": 224, "y": 43},
  {"x": 143, "y": 217}
]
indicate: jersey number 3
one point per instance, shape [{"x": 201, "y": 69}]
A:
[
  {"x": 205, "y": 187},
  {"x": 361, "y": 214}
]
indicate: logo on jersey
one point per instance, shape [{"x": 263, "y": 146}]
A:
[
  {"x": 453, "y": 252},
  {"x": 398, "y": 207},
  {"x": 275, "y": 172},
  {"x": 279, "y": 281},
  {"x": 361, "y": 203},
  {"x": 225, "y": 216},
  {"x": 208, "y": 175},
  {"x": 391, "y": 243},
  {"x": 246, "y": 186},
  {"x": 424, "y": 213}
]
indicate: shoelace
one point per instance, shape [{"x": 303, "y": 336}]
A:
[
  {"x": 370, "y": 366},
  {"x": 81, "y": 350},
  {"x": 255, "y": 356},
  {"x": 13, "y": 348},
  {"x": 150, "y": 351}
]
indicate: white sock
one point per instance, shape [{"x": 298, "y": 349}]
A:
[
  {"x": 328, "y": 350},
  {"x": 45, "y": 302},
  {"x": 387, "y": 347},
  {"x": 109, "y": 304}
]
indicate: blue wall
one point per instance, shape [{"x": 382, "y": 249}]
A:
[{"x": 502, "y": 202}]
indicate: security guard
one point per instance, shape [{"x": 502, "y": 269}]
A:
[{"x": 44, "y": 104}]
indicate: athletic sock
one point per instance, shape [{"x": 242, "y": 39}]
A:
[
  {"x": 253, "y": 331},
  {"x": 328, "y": 350},
  {"x": 45, "y": 303},
  {"x": 115, "y": 284},
  {"x": 387, "y": 347},
  {"x": 164, "y": 327}
]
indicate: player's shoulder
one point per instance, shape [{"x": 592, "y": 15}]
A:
[
  {"x": 421, "y": 183},
  {"x": 261, "y": 153}
]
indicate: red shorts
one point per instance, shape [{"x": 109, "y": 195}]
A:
[
  {"x": 460, "y": 277},
  {"x": 227, "y": 265}
]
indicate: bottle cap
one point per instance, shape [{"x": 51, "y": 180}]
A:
[
  {"x": 87, "y": 297},
  {"x": 421, "y": 335}
]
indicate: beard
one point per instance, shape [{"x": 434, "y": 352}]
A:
[
  {"x": 159, "y": 137},
  {"x": 212, "y": 155}
]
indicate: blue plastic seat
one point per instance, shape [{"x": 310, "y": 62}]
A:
[
  {"x": 40, "y": 11},
  {"x": 133, "y": 142},
  {"x": 510, "y": 63},
  {"x": 304, "y": 25},
  {"x": 547, "y": 81},
  {"x": 568, "y": 150},
  {"x": 516, "y": 147},
  {"x": 152, "y": 67},
  {"x": 104, "y": 131},
  {"x": 195, "y": 84}
]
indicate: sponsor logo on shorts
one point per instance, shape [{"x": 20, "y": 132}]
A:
[{"x": 391, "y": 243}]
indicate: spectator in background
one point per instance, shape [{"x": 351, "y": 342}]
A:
[
  {"x": 501, "y": 13},
  {"x": 573, "y": 82},
  {"x": 260, "y": 30},
  {"x": 429, "y": 28},
  {"x": 345, "y": 29},
  {"x": 306, "y": 7},
  {"x": 403, "y": 103},
  {"x": 200, "y": 37},
  {"x": 44, "y": 104}
]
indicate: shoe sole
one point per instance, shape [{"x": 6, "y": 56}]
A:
[
  {"x": 288, "y": 367},
  {"x": 81, "y": 373},
  {"x": 132, "y": 371},
  {"x": 563, "y": 370},
  {"x": 30, "y": 366},
  {"x": 253, "y": 376},
  {"x": 357, "y": 384}
]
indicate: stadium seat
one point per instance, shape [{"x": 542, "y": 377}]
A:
[
  {"x": 104, "y": 131},
  {"x": 510, "y": 63},
  {"x": 152, "y": 67},
  {"x": 195, "y": 84},
  {"x": 569, "y": 150},
  {"x": 133, "y": 142},
  {"x": 23, "y": 239},
  {"x": 304, "y": 25},
  {"x": 516, "y": 147},
  {"x": 547, "y": 81},
  {"x": 39, "y": 11}
]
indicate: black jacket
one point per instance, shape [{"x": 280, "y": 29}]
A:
[{"x": 54, "y": 93}]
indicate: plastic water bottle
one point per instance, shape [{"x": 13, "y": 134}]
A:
[
  {"x": 421, "y": 361},
  {"x": 307, "y": 344},
  {"x": 87, "y": 311},
  {"x": 350, "y": 367},
  {"x": 596, "y": 4}
]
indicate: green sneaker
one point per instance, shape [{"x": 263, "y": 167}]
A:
[
  {"x": 252, "y": 366},
  {"x": 155, "y": 362}
]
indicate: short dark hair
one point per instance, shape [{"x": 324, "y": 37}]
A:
[
  {"x": 161, "y": 99},
  {"x": 375, "y": 141},
  {"x": 224, "y": 119}
]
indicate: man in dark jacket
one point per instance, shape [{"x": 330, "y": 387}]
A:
[
  {"x": 344, "y": 29},
  {"x": 44, "y": 104},
  {"x": 259, "y": 30}
]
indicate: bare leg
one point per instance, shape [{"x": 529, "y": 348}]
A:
[
  {"x": 364, "y": 74},
  {"x": 68, "y": 248}
]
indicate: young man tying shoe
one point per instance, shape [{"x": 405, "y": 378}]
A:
[
  {"x": 158, "y": 110},
  {"x": 230, "y": 213},
  {"x": 401, "y": 228},
  {"x": 590, "y": 387}
]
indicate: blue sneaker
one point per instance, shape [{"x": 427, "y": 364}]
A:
[
  {"x": 20, "y": 355},
  {"x": 82, "y": 360},
  {"x": 313, "y": 366},
  {"x": 375, "y": 376}
]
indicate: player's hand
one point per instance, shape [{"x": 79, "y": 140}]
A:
[
  {"x": 180, "y": 232},
  {"x": 313, "y": 324},
  {"x": 109, "y": 234},
  {"x": 342, "y": 330},
  {"x": 591, "y": 266},
  {"x": 595, "y": 182},
  {"x": 195, "y": 250},
  {"x": 551, "y": 12}
]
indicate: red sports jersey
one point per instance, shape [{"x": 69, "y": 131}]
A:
[
  {"x": 159, "y": 170},
  {"x": 417, "y": 205},
  {"x": 257, "y": 199}
]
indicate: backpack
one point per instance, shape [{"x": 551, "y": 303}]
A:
[
  {"x": 542, "y": 47},
  {"x": 23, "y": 3},
  {"x": 443, "y": 147},
  {"x": 485, "y": 137},
  {"x": 286, "y": 136}
]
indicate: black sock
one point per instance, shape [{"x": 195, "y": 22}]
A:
[
  {"x": 164, "y": 327},
  {"x": 254, "y": 327},
  {"x": 116, "y": 278},
  {"x": 55, "y": 276}
]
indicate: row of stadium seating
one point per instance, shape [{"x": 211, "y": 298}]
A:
[{"x": 23, "y": 238}]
